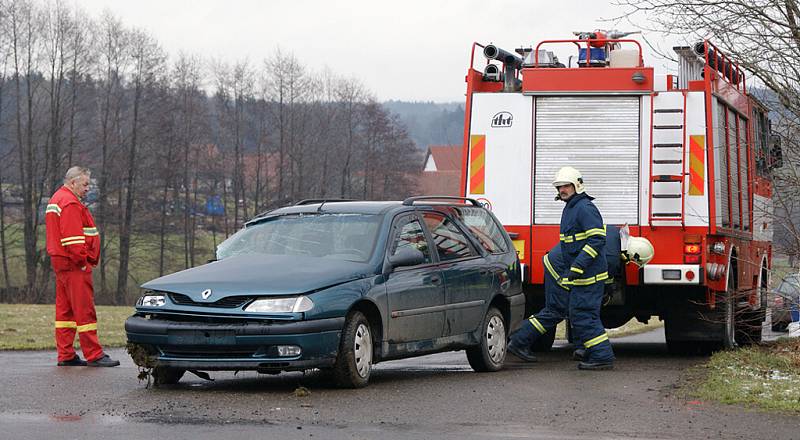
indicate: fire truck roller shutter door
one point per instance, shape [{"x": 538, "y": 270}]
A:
[{"x": 600, "y": 136}]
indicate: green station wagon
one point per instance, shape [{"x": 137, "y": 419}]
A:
[{"x": 338, "y": 286}]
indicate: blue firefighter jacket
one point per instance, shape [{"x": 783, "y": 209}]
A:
[
  {"x": 583, "y": 240},
  {"x": 555, "y": 264}
]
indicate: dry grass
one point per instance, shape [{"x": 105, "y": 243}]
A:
[{"x": 766, "y": 376}]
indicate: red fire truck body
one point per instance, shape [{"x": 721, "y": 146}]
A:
[{"x": 682, "y": 160}]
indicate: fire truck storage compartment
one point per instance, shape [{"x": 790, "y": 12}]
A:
[
  {"x": 598, "y": 135},
  {"x": 730, "y": 173}
]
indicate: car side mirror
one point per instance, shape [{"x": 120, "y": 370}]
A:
[
  {"x": 775, "y": 152},
  {"x": 407, "y": 256}
]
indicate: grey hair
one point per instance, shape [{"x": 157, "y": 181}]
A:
[{"x": 75, "y": 172}]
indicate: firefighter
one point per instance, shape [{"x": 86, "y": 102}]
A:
[
  {"x": 582, "y": 245},
  {"x": 619, "y": 251},
  {"x": 73, "y": 244}
]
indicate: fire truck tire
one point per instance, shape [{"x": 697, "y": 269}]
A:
[
  {"x": 545, "y": 342},
  {"x": 728, "y": 310},
  {"x": 752, "y": 322}
]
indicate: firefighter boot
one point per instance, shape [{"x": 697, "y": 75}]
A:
[
  {"x": 579, "y": 354},
  {"x": 523, "y": 352},
  {"x": 594, "y": 366}
]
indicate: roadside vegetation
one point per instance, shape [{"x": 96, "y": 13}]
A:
[{"x": 764, "y": 376}]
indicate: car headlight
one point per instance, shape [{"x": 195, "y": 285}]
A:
[
  {"x": 292, "y": 304},
  {"x": 152, "y": 299}
]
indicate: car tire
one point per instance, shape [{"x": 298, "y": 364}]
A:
[
  {"x": 167, "y": 375},
  {"x": 353, "y": 364},
  {"x": 490, "y": 353}
]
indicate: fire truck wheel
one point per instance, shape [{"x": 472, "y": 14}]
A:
[
  {"x": 729, "y": 314},
  {"x": 545, "y": 342},
  {"x": 490, "y": 353}
]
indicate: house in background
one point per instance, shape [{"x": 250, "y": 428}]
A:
[{"x": 442, "y": 173}]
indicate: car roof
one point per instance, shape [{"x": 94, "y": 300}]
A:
[{"x": 354, "y": 207}]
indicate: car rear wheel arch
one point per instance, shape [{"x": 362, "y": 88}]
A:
[
  {"x": 503, "y": 305},
  {"x": 373, "y": 315}
]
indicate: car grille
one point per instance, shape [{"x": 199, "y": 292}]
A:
[
  {"x": 230, "y": 302},
  {"x": 219, "y": 352}
]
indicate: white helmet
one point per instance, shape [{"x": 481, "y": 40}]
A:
[
  {"x": 640, "y": 251},
  {"x": 567, "y": 175}
]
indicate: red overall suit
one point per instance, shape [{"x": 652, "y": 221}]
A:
[{"x": 73, "y": 244}]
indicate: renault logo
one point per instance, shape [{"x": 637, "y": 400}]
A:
[{"x": 206, "y": 293}]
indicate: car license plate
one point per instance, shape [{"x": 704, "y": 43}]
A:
[{"x": 201, "y": 337}]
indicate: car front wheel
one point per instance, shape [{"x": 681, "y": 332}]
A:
[
  {"x": 354, "y": 360},
  {"x": 490, "y": 353}
]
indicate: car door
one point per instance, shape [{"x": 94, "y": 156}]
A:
[
  {"x": 415, "y": 294},
  {"x": 468, "y": 281}
]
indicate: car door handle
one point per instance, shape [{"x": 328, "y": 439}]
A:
[{"x": 436, "y": 280}]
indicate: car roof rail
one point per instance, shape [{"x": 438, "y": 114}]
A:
[
  {"x": 410, "y": 200},
  {"x": 313, "y": 201}
]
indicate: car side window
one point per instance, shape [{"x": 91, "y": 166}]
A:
[
  {"x": 450, "y": 242},
  {"x": 484, "y": 228},
  {"x": 411, "y": 235}
]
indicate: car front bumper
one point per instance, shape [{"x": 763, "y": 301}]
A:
[{"x": 250, "y": 345}]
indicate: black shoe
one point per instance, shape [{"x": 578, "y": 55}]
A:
[
  {"x": 578, "y": 354},
  {"x": 524, "y": 353},
  {"x": 74, "y": 362},
  {"x": 595, "y": 366},
  {"x": 103, "y": 361}
]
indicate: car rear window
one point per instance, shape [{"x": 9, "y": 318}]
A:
[
  {"x": 337, "y": 236},
  {"x": 484, "y": 228}
]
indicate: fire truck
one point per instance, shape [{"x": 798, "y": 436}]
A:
[{"x": 683, "y": 160}]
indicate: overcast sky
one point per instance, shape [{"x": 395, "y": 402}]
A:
[{"x": 404, "y": 50}]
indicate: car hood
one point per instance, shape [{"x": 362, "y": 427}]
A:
[{"x": 260, "y": 275}]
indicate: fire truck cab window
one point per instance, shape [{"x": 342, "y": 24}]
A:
[
  {"x": 411, "y": 235},
  {"x": 450, "y": 243},
  {"x": 484, "y": 228}
]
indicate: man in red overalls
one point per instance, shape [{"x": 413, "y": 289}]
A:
[{"x": 73, "y": 244}]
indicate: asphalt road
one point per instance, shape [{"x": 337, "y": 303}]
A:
[{"x": 434, "y": 396}]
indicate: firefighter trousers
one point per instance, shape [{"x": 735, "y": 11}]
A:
[
  {"x": 584, "y": 316},
  {"x": 556, "y": 309},
  {"x": 75, "y": 312}
]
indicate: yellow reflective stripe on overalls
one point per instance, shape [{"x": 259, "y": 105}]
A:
[
  {"x": 553, "y": 272},
  {"x": 576, "y": 270},
  {"x": 55, "y": 209},
  {"x": 87, "y": 327},
  {"x": 66, "y": 324},
  {"x": 583, "y": 235},
  {"x": 586, "y": 281},
  {"x": 594, "y": 341},
  {"x": 90, "y": 232},
  {"x": 590, "y": 250},
  {"x": 538, "y": 325}
]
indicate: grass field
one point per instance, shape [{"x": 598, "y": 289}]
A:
[
  {"x": 30, "y": 326},
  {"x": 766, "y": 376}
]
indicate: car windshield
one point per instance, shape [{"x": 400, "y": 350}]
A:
[
  {"x": 790, "y": 286},
  {"x": 337, "y": 236}
]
